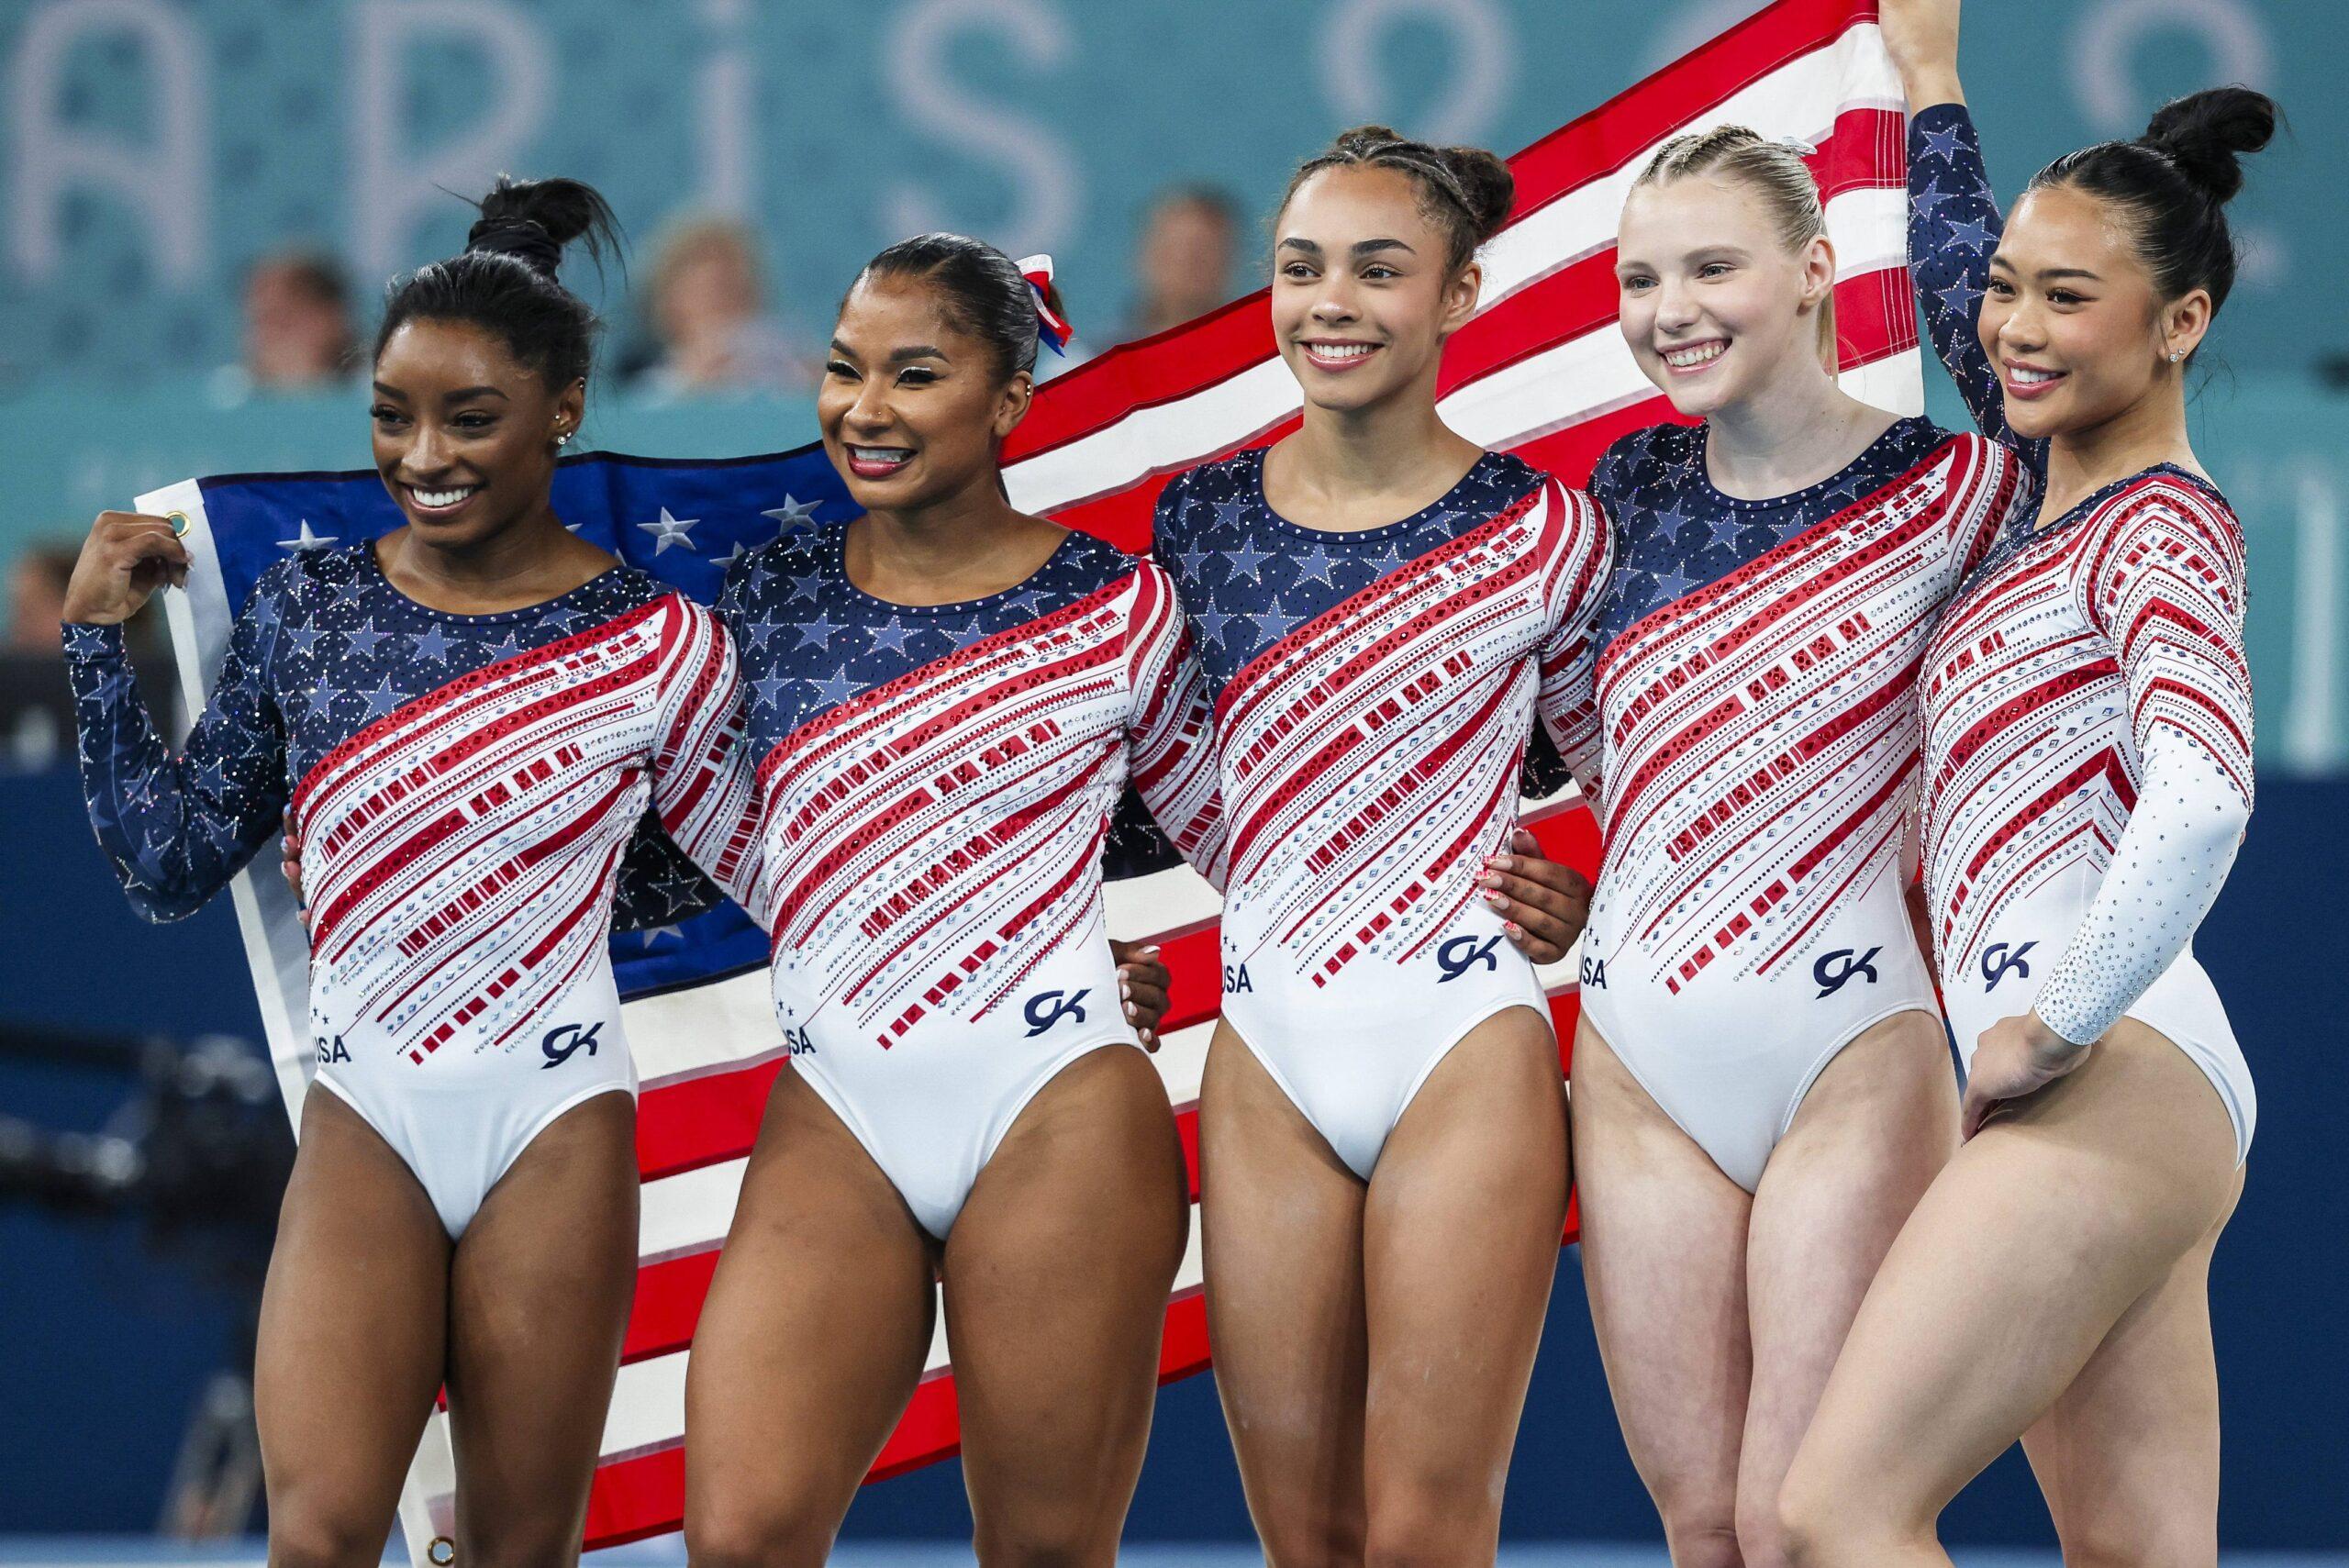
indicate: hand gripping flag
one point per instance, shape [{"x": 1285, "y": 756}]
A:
[{"x": 1541, "y": 370}]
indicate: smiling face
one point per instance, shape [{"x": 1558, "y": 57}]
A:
[
  {"x": 1363, "y": 295},
  {"x": 2071, "y": 318},
  {"x": 1715, "y": 304},
  {"x": 913, "y": 408},
  {"x": 465, "y": 432}
]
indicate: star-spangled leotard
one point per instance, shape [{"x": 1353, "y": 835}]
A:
[
  {"x": 1754, "y": 754},
  {"x": 2087, "y": 712},
  {"x": 933, "y": 787},
  {"x": 1374, "y": 692},
  {"x": 466, "y": 787}
]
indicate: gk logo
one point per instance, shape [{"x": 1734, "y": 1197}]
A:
[
  {"x": 1998, "y": 959},
  {"x": 1460, "y": 954},
  {"x": 1833, "y": 976},
  {"x": 564, "y": 1041},
  {"x": 1045, "y": 1008}
]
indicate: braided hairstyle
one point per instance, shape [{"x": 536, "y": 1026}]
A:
[
  {"x": 2171, "y": 185},
  {"x": 504, "y": 281},
  {"x": 1773, "y": 170},
  {"x": 1465, "y": 191}
]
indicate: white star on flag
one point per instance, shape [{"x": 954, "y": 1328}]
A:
[
  {"x": 305, "y": 540},
  {"x": 791, "y": 512},
  {"x": 670, "y": 530},
  {"x": 726, "y": 561}
]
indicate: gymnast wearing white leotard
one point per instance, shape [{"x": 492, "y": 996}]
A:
[
  {"x": 2087, "y": 720},
  {"x": 1755, "y": 736},
  {"x": 1373, "y": 693},
  {"x": 933, "y": 786},
  {"x": 464, "y": 786}
]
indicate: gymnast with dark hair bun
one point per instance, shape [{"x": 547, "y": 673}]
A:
[
  {"x": 463, "y": 722},
  {"x": 2087, "y": 780}
]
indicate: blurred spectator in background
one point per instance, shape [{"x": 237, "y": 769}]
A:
[
  {"x": 1190, "y": 237},
  {"x": 705, "y": 303},
  {"x": 299, "y": 335},
  {"x": 36, "y": 598}
]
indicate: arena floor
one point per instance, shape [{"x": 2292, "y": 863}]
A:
[{"x": 92, "y": 1552}]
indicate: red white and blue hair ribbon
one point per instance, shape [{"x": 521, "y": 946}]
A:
[{"x": 1052, "y": 328}]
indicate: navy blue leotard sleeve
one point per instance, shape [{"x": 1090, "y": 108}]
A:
[
  {"x": 1954, "y": 225},
  {"x": 178, "y": 828}
]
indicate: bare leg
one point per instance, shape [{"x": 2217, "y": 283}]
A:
[
  {"x": 1663, "y": 1259},
  {"x": 351, "y": 1349},
  {"x": 1281, "y": 1221},
  {"x": 1460, "y": 1245},
  {"x": 1057, "y": 1273},
  {"x": 1874, "y": 1129},
  {"x": 809, "y": 1345},
  {"x": 2024, "y": 1257},
  {"x": 537, "y": 1304},
  {"x": 2129, "y": 1456}
]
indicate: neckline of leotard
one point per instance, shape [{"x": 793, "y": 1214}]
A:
[
  {"x": 1899, "y": 427},
  {"x": 2033, "y": 528},
  {"x": 836, "y": 562},
  {"x": 494, "y": 618},
  {"x": 1384, "y": 530}
]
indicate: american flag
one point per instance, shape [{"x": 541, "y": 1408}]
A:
[{"x": 1541, "y": 370}]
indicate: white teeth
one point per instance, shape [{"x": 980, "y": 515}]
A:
[
  {"x": 2031, "y": 378},
  {"x": 880, "y": 454},
  {"x": 438, "y": 498},
  {"x": 1703, "y": 353},
  {"x": 1340, "y": 351}
]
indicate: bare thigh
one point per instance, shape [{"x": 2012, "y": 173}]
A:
[
  {"x": 1875, "y": 1129},
  {"x": 1663, "y": 1259},
  {"x": 2128, "y": 1456},
  {"x": 1460, "y": 1246},
  {"x": 538, "y": 1305},
  {"x": 2032, "y": 1244},
  {"x": 1057, "y": 1274},
  {"x": 1281, "y": 1221},
  {"x": 810, "y": 1343},
  {"x": 351, "y": 1349}
]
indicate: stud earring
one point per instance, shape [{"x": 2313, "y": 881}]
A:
[
  {"x": 563, "y": 438},
  {"x": 2175, "y": 355}
]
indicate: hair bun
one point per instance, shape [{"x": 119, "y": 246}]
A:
[
  {"x": 1486, "y": 182},
  {"x": 1367, "y": 141},
  {"x": 533, "y": 220},
  {"x": 2206, "y": 133}
]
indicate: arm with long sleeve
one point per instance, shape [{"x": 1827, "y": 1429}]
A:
[
  {"x": 1567, "y": 701},
  {"x": 1171, "y": 730},
  {"x": 1954, "y": 226},
  {"x": 178, "y": 828},
  {"x": 704, "y": 783},
  {"x": 2165, "y": 589}
]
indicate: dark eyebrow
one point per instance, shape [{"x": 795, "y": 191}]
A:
[
  {"x": 2045, "y": 275},
  {"x": 1359, "y": 249},
  {"x": 1293, "y": 243},
  {"x": 897, "y": 357}
]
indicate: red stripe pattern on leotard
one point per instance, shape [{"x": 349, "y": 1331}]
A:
[
  {"x": 1760, "y": 733},
  {"x": 2088, "y": 705},
  {"x": 460, "y": 851}
]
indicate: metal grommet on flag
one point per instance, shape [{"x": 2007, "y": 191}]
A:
[
  {"x": 441, "y": 1552},
  {"x": 1052, "y": 328},
  {"x": 180, "y": 525}
]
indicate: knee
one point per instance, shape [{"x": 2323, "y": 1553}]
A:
[
  {"x": 1710, "y": 1541},
  {"x": 312, "y": 1537},
  {"x": 1312, "y": 1538},
  {"x": 1048, "y": 1541},
  {"x": 1822, "y": 1525},
  {"x": 735, "y": 1535},
  {"x": 1761, "y": 1534},
  {"x": 1431, "y": 1527},
  {"x": 2140, "y": 1543}
]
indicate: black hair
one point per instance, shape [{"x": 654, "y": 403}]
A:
[
  {"x": 506, "y": 280},
  {"x": 983, "y": 292},
  {"x": 2174, "y": 182},
  {"x": 1464, "y": 191}
]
